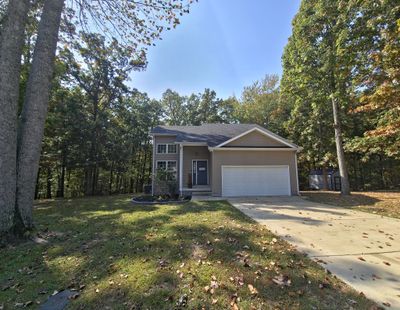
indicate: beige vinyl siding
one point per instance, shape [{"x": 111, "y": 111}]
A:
[
  {"x": 255, "y": 138},
  {"x": 239, "y": 158}
]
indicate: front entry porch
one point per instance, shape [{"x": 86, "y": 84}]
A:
[{"x": 194, "y": 169}]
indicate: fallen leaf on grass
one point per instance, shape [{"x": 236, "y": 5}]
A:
[
  {"x": 182, "y": 301},
  {"x": 233, "y": 302},
  {"x": 323, "y": 285},
  {"x": 282, "y": 280},
  {"x": 212, "y": 287},
  {"x": 74, "y": 296},
  {"x": 162, "y": 263},
  {"x": 23, "y": 304},
  {"x": 237, "y": 280},
  {"x": 252, "y": 289},
  {"x": 214, "y": 301},
  {"x": 258, "y": 273}
]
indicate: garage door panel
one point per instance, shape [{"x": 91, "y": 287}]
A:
[{"x": 255, "y": 180}]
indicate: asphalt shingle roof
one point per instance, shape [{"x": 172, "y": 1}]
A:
[{"x": 212, "y": 134}]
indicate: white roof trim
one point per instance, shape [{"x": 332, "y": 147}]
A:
[
  {"x": 265, "y": 133},
  {"x": 162, "y": 134},
  {"x": 192, "y": 143},
  {"x": 280, "y": 149}
]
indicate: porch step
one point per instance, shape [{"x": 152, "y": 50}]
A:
[{"x": 201, "y": 193}]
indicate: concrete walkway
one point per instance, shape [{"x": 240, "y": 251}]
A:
[{"x": 362, "y": 249}]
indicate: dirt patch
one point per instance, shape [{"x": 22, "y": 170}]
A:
[{"x": 199, "y": 252}]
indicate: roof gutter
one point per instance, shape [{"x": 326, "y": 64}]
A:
[
  {"x": 192, "y": 143},
  {"x": 288, "y": 149}
]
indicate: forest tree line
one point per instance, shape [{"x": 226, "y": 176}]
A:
[{"x": 96, "y": 134}]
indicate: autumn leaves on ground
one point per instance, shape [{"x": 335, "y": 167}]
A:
[
  {"x": 382, "y": 203},
  {"x": 196, "y": 255}
]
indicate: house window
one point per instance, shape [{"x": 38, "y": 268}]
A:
[
  {"x": 166, "y": 148},
  {"x": 172, "y": 148},
  {"x": 161, "y": 165},
  {"x": 168, "y": 165},
  {"x": 161, "y": 148}
]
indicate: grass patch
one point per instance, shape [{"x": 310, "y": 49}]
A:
[
  {"x": 382, "y": 203},
  {"x": 194, "y": 255}
]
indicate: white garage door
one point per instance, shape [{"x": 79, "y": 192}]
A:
[{"x": 255, "y": 181}]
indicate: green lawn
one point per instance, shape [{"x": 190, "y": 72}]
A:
[
  {"x": 382, "y": 203},
  {"x": 121, "y": 256}
]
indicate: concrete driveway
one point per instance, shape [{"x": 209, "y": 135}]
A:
[{"x": 360, "y": 248}]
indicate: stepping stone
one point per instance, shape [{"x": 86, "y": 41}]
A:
[{"x": 58, "y": 301}]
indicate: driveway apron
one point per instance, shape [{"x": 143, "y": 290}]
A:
[{"x": 362, "y": 249}]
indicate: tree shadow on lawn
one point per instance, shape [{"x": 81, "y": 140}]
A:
[
  {"x": 334, "y": 198},
  {"x": 149, "y": 257}
]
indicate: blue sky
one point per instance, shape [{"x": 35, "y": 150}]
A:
[{"x": 222, "y": 44}]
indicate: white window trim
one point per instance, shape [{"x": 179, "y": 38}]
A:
[
  {"x": 166, "y": 148},
  {"x": 166, "y": 163}
]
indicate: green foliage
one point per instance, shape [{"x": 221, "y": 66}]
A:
[
  {"x": 174, "y": 108},
  {"x": 195, "y": 109},
  {"x": 260, "y": 104},
  {"x": 3, "y": 8},
  {"x": 345, "y": 51},
  {"x": 166, "y": 183},
  {"x": 376, "y": 76},
  {"x": 96, "y": 136}
]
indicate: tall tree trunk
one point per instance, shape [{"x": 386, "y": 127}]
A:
[
  {"x": 325, "y": 185},
  {"x": 34, "y": 111},
  {"x": 110, "y": 181},
  {"x": 11, "y": 44},
  {"x": 48, "y": 183},
  {"x": 344, "y": 177},
  {"x": 37, "y": 186},
  {"x": 61, "y": 181}
]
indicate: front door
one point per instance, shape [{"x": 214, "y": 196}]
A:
[{"x": 200, "y": 173}]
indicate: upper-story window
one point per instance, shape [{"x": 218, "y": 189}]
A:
[
  {"x": 166, "y": 148},
  {"x": 172, "y": 148}
]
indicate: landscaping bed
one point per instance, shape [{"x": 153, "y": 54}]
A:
[
  {"x": 187, "y": 256},
  {"x": 154, "y": 200}
]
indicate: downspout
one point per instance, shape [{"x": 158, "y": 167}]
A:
[
  {"x": 181, "y": 169},
  {"x": 153, "y": 166},
  {"x": 297, "y": 173}
]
